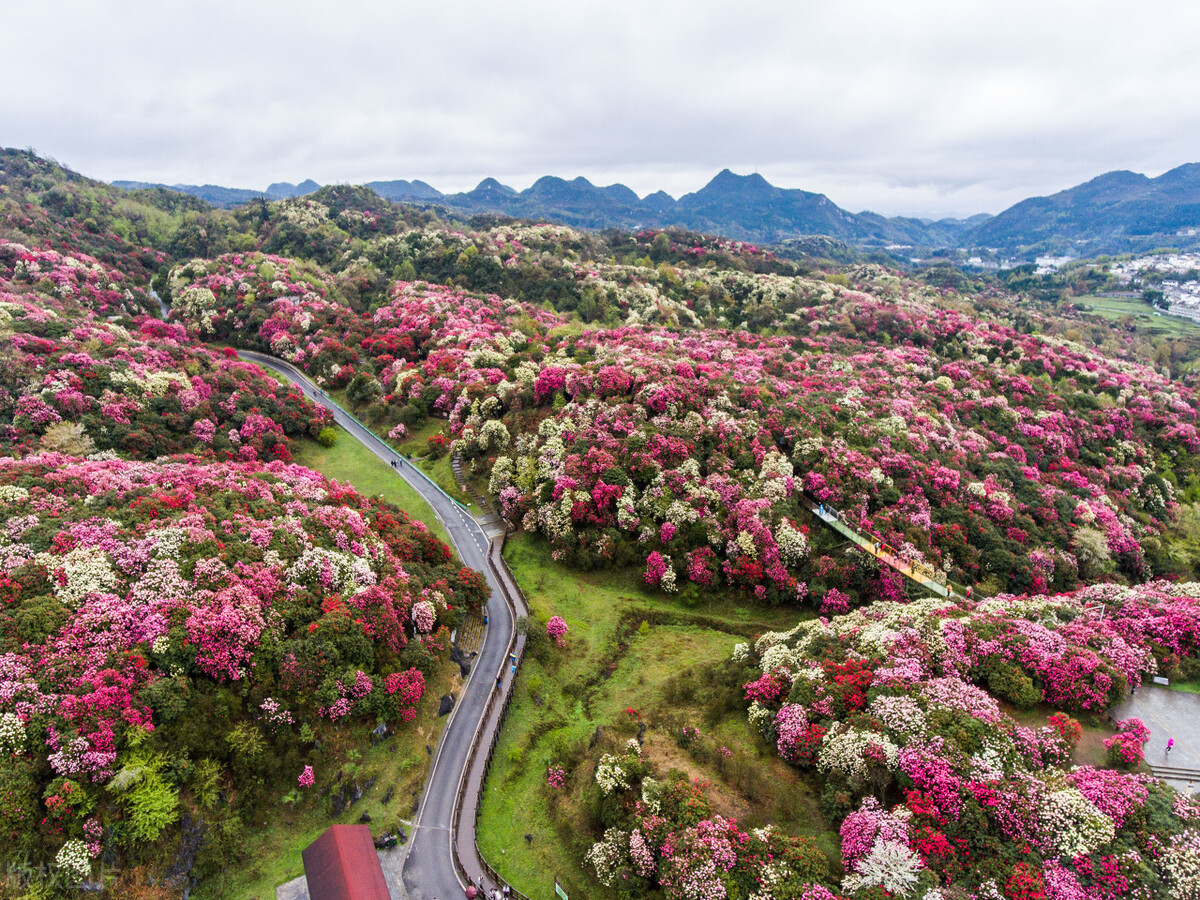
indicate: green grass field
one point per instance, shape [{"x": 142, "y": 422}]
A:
[
  {"x": 350, "y": 462},
  {"x": 1143, "y": 315},
  {"x": 1189, "y": 687},
  {"x": 566, "y": 695}
]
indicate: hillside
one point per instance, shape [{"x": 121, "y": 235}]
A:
[
  {"x": 1115, "y": 212},
  {"x": 718, "y": 688}
]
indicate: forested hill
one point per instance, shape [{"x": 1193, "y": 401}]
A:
[
  {"x": 1113, "y": 213},
  {"x": 744, "y": 207}
]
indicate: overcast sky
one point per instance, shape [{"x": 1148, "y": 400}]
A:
[{"x": 909, "y": 107}]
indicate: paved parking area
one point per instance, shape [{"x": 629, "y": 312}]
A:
[{"x": 1168, "y": 714}]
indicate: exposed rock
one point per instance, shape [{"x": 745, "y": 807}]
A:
[
  {"x": 446, "y": 705},
  {"x": 339, "y": 801},
  {"x": 191, "y": 838}
]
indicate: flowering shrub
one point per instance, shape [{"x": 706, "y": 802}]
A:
[
  {"x": 145, "y": 600},
  {"x": 556, "y": 630},
  {"x": 669, "y": 837},
  {"x": 894, "y": 697},
  {"x": 1125, "y": 747},
  {"x": 306, "y": 778}
]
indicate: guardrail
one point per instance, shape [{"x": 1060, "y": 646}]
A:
[{"x": 515, "y": 599}]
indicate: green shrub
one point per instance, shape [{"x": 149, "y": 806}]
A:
[{"x": 327, "y": 437}]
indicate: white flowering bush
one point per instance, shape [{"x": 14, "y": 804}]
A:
[
  {"x": 843, "y": 752},
  {"x": 12, "y": 733},
  {"x": 609, "y": 856},
  {"x": 74, "y": 861},
  {"x": 1180, "y": 866},
  {"x": 1074, "y": 823},
  {"x": 611, "y": 774},
  {"x": 892, "y": 865}
]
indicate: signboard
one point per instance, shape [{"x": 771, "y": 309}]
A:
[
  {"x": 1158, "y": 679},
  {"x": 558, "y": 890}
]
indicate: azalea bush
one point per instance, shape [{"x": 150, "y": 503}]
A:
[
  {"x": 661, "y": 832},
  {"x": 973, "y": 446},
  {"x": 176, "y": 625},
  {"x": 935, "y": 786}
]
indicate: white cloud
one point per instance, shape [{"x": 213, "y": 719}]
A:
[{"x": 923, "y": 108}]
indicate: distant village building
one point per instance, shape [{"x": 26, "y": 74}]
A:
[
  {"x": 342, "y": 865},
  {"x": 1047, "y": 265}
]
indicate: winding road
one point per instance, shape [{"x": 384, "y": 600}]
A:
[{"x": 438, "y": 855}]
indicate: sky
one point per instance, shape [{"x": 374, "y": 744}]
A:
[{"x": 906, "y": 107}]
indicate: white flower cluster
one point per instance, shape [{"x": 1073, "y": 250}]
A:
[
  {"x": 667, "y": 582},
  {"x": 890, "y": 864},
  {"x": 493, "y": 435},
  {"x": 1180, "y": 866},
  {"x": 74, "y": 860},
  {"x": 793, "y": 545},
  {"x": 781, "y": 656},
  {"x": 842, "y": 752},
  {"x": 196, "y": 304},
  {"x": 741, "y": 652},
  {"x": 808, "y": 446},
  {"x": 988, "y": 764},
  {"x": 769, "y": 881},
  {"x": 345, "y": 570},
  {"x": 760, "y": 716},
  {"x": 1074, "y": 823},
  {"x": 12, "y": 733},
  {"x": 154, "y": 383},
  {"x": 902, "y": 715},
  {"x": 609, "y": 855},
  {"x": 85, "y": 570},
  {"x": 610, "y": 775},
  {"x": 10, "y": 494}
]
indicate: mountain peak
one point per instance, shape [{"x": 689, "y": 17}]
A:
[
  {"x": 490, "y": 186},
  {"x": 727, "y": 179}
]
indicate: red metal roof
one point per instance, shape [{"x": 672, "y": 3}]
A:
[{"x": 342, "y": 865}]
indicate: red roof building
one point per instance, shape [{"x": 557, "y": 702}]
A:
[{"x": 342, "y": 865}]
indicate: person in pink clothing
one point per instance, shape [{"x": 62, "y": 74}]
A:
[{"x": 1170, "y": 744}]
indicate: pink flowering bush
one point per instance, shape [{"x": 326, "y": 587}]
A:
[
  {"x": 1125, "y": 748},
  {"x": 556, "y": 630},
  {"x": 147, "y": 603},
  {"x": 933, "y": 782}
]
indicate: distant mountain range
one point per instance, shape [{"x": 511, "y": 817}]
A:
[{"x": 1116, "y": 212}]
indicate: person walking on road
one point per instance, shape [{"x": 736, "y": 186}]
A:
[{"x": 1170, "y": 744}]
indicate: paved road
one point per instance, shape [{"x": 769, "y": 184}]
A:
[{"x": 429, "y": 870}]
